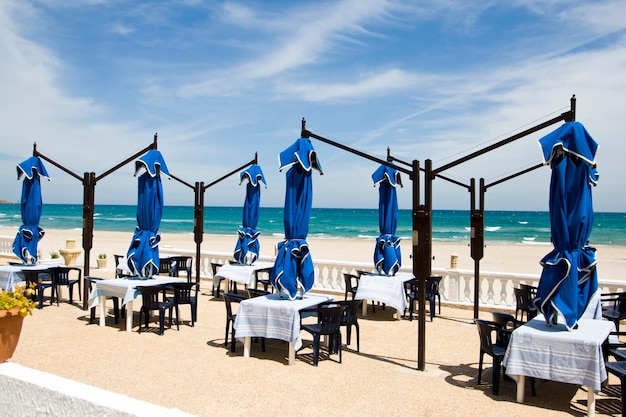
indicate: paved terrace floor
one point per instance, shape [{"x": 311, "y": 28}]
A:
[{"x": 193, "y": 371}]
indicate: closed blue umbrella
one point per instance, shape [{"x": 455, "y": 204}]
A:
[
  {"x": 293, "y": 271},
  {"x": 29, "y": 233},
  {"x": 248, "y": 248},
  {"x": 143, "y": 254},
  {"x": 569, "y": 278},
  {"x": 387, "y": 256}
]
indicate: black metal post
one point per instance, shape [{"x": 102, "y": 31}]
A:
[{"x": 89, "y": 190}]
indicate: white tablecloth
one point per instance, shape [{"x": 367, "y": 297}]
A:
[
  {"x": 244, "y": 274},
  {"x": 553, "y": 353},
  {"x": 125, "y": 288},
  {"x": 273, "y": 317},
  {"x": 388, "y": 290},
  {"x": 12, "y": 274}
]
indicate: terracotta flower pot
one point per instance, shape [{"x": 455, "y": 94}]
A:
[{"x": 10, "y": 329}]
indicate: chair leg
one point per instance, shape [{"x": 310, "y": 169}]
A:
[
  {"x": 194, "y": 312},
  {"x": 496, "y": 376},
  {"x": 232, "y": 337},
  {"x": 623, "y": 389},
  {"x": 358, "y": 337},
  {"x": 316, "y": 348},
  {"x": 339, "y": 345},
  {"x": 226, "y": 334},
  {"x": 480, "y": 367}
]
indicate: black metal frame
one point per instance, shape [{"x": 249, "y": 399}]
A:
[
  {"x": 89, "y": 181},
  {"x": 422, "y": 213},
  {"x": 198, "y": 207}
]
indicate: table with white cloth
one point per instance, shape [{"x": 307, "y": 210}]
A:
[
  {"x": 274, "y": 317},
  {"x": 126, "y": 289},
  {"x": 12, "y": 274},
  {"x": 556, "y": 354},
  {"x": 385, "y": 289},
  {"x": 243, "y": 274}
]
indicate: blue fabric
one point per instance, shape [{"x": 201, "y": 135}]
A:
[
  {"x": 248, "y": 247},
  {"x": 293, "y": 269},
  {"x": 143, "y": 253},
  {"x": 569, "y": 277},
  {"x": 29, "y": 233},
  {"x": 387, "y": 255}
]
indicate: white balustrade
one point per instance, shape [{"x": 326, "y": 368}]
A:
[{"x": 456, "y": 288}]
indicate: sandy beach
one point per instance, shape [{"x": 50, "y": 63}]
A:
[
  {"x": 191, "y": 370},
  {"x": 514, "y": 258}
]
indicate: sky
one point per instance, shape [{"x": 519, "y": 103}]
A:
[{"x": 92, "y": 81}]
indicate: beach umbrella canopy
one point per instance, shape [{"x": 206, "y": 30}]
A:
[
  {"x": 387, "y": 256},
  {"x": 143, "y": 254},
  {"x": 29, "y": 233},
  {"x": 569, "y": 278},
  {"x": 293, "y": 271},
  {"x": 248, "y": 248}
]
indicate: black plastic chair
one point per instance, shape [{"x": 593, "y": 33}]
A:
[
  {"x": 351, "y": 283},
  {"x": 524, "y": 304},
  {"x": 154, "y": 300},
  {"x": 118, "y": 272},
  {"x": 349, "y": 318},
  {"x": 181, "y": 264},
  {"x": 328, "y": 324},
  {"x": 92, "y": 311},
  {"x": 215, "y": 291},
  {"x": 619, "y": 370},
  {"x": 614, "y": 307},
  {"x": 42, "y": 280},
  {"x": 507, "y": 322},
  {"x": 66, "y": 276},
  {"x": 229, "y": 300},
  {"x": 486, "y": 330},
  {"x": 265, "y": 282},
  {"x": 253, "y": 292},
  {"x": 432, "y": 295},
  {"x": 165, "y": 266},
  {"x": 185, "y": 293}
]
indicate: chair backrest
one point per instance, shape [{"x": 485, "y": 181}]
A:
[
  {"x": 229, "y": 300},
  {"x": 118, "y": 272},
  {"x": 31, "y": 276},
  {"x": 485, "y": 333},
  {"x": 522, "y": 298},
  {"x": 350, "y": 312},
  {"x": 184, "y": 292},
  {"x": 505, "y": 320},
  {"x": 165, "y": 265},
  {"x": 214, "y": 267},
  {"x": 253, "y": 292},
  {"x": 329, "y": 317},
  {"x": 150, "y": 296},
  {"x": 350, "y": 280},
  {"x": 432, "y": 285},
  {"x": 531, "y": 289},
  {"x": 180, "y": 263},
  {"x": 61, "y": 275}
]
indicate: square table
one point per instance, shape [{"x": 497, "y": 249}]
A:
[
  {"x": 125, "y": 289},
  {"x": 12, "y": 274},
  {"x": 385, "y": 289},
  {"x": 274, "y": 317},
  {"x": 553, "y": 353},
  {"x": 243, "y": 274}
]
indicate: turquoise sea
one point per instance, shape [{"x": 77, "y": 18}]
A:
[{"x": 530, "y": 227}]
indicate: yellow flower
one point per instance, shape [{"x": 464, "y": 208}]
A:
[{"x": 20, "y": 297}]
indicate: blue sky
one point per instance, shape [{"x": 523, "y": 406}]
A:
[{"x": 91, "y": 81}]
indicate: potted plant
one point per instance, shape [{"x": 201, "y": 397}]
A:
[
  {"x": 102, "y": 261},
  {"x": 14, "y": 306}
]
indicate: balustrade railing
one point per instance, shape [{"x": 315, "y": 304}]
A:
[{"x": 456, "y": 288}]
